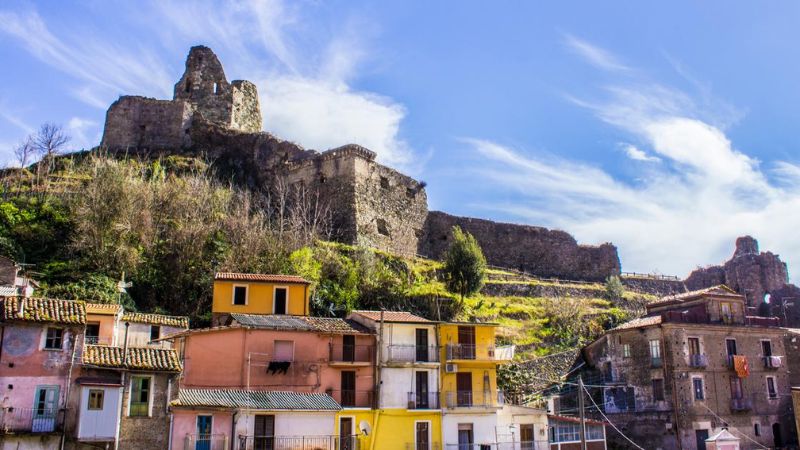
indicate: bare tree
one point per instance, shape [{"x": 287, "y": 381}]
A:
[
  {"x": 50, "y": 140},
  {"x": 25, "y": 151}
]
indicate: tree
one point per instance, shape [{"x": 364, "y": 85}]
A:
[
  {"x": 464, "y": 265},
  {"x": 48, "y": 142},
  {"x": 614, "y": 288},
  {"x": 25, "y": 151}
]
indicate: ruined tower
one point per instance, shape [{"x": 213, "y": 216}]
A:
[{"x": 141, "y": 124}]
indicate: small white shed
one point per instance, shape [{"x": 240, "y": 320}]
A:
[{"x": 723, "y": 440}]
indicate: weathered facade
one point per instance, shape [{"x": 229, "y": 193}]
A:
[
  {"x": 695, "y": 364},
  {"x": 369, "y": 204}
]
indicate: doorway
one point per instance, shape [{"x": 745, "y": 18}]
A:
[
  {"x": 701, "y": 436},
  {"x": 465, "y": 438},
  {"x": 422, "y": 345},
  {"x": 526, "y": 436},
  {"x": 777, "y": 438},
  {"x": 264, "y": 432},
  {"x": 45, "y": 409},
  {"x": 203, "y": 429},
  {"x": 422, "y": 390},
  {"x": 348, "y": 348},
  {"x": 422, "y": 436},
  {"x": 348, "y": 388},
  {"x": 280, "y": 301},
  {"x": 464, "y": 389},
  {"x": 346, "y": 437}
]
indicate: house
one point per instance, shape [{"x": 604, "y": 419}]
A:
[
  {"x": 565, "y": 433},
  {"x": 695, "y": 364},
  {"x": 470, "y": 397},
  {"x": 264, "y": 355},
  {"x": 408, "y": 369},
  {"x": 12, "y": 282},
  {"x": 39, "y": 341},
  {"x": 253, "y": 293}
]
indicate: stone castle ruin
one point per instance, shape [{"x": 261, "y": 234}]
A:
[{"x": 371, "y": 204}]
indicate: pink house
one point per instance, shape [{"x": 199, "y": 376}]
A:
[{"x": 312, "y": 363}]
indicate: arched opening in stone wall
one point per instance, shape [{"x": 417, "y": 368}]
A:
[{"x": 188, "y": 86}]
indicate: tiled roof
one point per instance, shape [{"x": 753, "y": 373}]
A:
[
  {"x": 232, "y": 276},
  {"x": 264, "y": 400},
  {"x": 44, "y": 310},
  {"x": 558, "y": 418},
  {"x": 103, "y": 308},
  {"x": 299, "y": 323},
  {"x": 720, "y": 289},
  {"x": 393, "y": 316},
  {"x": 157, "y": 359},
  {"x": 639, "y": 323},
  {"x": 156, "y": 319}
]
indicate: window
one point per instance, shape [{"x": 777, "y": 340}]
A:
[
  {"x": 284, "y": 351},
  {"x": 726, "y": 312},
  {"x": 92, "y": 335},
  {"x": 140, "y": 396},
  {"x": 594, "y": 432},
  {"x": 694, "y": 346},
  {"x": 155, "y": 332},
  {"x": 568, "y": 432},
  {"x": 383, "y": 228},
  {"x": 730, "y": 348},
  {"x": 697, "y": 387},
  {"x": 95, "y": 400},
  {"x": 240, "y": 295},
  {"x": 279, "y": 302},
  {"x": 53, "y": 340},
  {"x": 736, "y": 388},
  {"x": 766, "y": 348},
  {"x": 655, "y": 352},
  {"x": 384, "y": 183},
  {"x": 658, "y": 390},
  {"x": 757, "y": 429},
  {"x": 771, "y": 390},
  {"x": 626, "y": 350}
]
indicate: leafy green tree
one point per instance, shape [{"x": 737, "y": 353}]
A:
[
  {"x": 464, "y": 265},
  {"x": 615, "y": 290}
]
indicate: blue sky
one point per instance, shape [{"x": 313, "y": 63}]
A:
[{"x": 666, "y": 129}]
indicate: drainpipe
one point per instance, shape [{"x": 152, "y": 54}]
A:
[
  {"x": 379, "y": 362},
  {"x": 75, "y": 340},
  {"x": 233, "y": 430}
]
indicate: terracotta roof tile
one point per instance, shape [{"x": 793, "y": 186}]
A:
[
  {"x": 44, "y": 310},
  {"x": 103, "y": 308},
  {"x": 393, "y": 316},
  {"x": 231, "y": 276},
  {"x": 720, "y": 289},
  {"x": 300, "y": 323},
  {"x": 336, "y": 325},
  {"x": 263, "y": 400},
  {"x": 156, "y": 319},
  {"x": 639, "y": 323},
  {"x": 156, "y": 359}
]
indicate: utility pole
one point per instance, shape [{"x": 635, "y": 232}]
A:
[{"x": 582, "y": 412}]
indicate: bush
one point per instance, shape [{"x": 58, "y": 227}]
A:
[{"x": 464, "y": 265}]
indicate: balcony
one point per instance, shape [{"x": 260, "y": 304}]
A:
[
  {"x": 773, "y": 362},
  {"x": 741, "y": 404},
  {"x": 298, "y": 443},
  {"x": 474, "y": 399},
  {"x": 410, "y": 354},
  {"x": 656, "y": 362},
  {"x": 698, "y": 361},
  {"x": 206, "y": 442},
  {"x": 524, "y": 445},
  {"x": 457, "y": 352},
  {"x": 429, "y": 400},
  {"x": 351, "y": 355},
  {"x": 353, "y": 399},
  {"x": 431, "y": 446},
  {"x": 30, "y": 420}
]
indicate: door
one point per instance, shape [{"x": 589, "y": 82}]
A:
[
  {"x": 203, "y": 441},
  {"x": 422, "y": 390},
  {"x": 466, "y": 342},
  {"x": 422, "y": 438},
  {"x": 348, "y": 348},
  {"x": 465, "y": 436},
  {"x": 348, "y": 388},
  {"x": 526, "y": 436},
  {"x": 694, "y": 346},
  {"x": 346, "y": 437},
  {"x": 730, "y": 347},
  {"x": 422, "y": 345},
  {"x": 701, "y": 436},
  {"x": 280, "y": 300},
  {"x": 264, "y": 432},
  {"x": 45, "y": 409},
  {"x": 777, "y": 438},
  {"x": 464, "y": 389},
  {"x": 766, "y": 348},
  {"x": 92, "y": 334}
]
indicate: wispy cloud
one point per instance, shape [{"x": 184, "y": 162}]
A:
[
  {"x": 595, "y": 55},
  {"x": 685, "y": 211}
]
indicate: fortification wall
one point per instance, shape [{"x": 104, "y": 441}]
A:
[
  {"x": 535, "y": 250},
  {"x": 141, "y": 123}
]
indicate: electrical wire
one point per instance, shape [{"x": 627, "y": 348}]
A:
[
  {"x": 734, "y": 429},
  {"x": 612, "y": 423}
]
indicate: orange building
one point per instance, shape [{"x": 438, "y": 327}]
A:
[{"x": 252, "y": 293}]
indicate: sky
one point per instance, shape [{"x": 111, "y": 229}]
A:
[{"x": 667, "y": 129}]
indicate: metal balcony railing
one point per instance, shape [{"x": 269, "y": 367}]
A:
[
  {"x": 698, "y": 360},
  {"x": 474, "y": 399},
  {"x": 427, "y": 400},
  {"x": 30, "y": 420},
  {"x": 413, "y": 354},
  {"x": 353, "y": 399},
  {"x": 741, "y": 404},
  {"x": 773, "y": 362},
  {"x": 351, "y": 353},
  {"x": 206, "y": 442},
  {"x": 656, "y": 361},
  {"x": 422, "y": 446},
  {"x": 480, "y": 352},
  {"x": 298, "y": 443},
  {"x": 524, "y": 445}
]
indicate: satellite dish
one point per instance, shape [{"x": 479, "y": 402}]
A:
[{"x": 365, "y": 427}]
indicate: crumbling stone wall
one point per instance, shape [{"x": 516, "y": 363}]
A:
[
  {"x": 143, "y": 124},
  {"x": 535, "y": 250},
  {"x": 654, "y": 286}
]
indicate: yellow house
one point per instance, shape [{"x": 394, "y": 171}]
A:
[
  {"x": 470, "y": 397},
  {"x": 253, "y": 293}
]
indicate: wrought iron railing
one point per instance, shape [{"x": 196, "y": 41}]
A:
[
  {"x": 474, "y": 399},
  {"x": 741, "y": 404},
  {"x": 31, "y": 420},
  {"x": 698, "y": 360},
  {"x": 773, "y": 362},
  {"x": 206, "y": 442},
  {"x": 413, "y": 353},
  {"x": 351, "y": 353},
  {"x": 298, "y": 443},
  {"x": 424, "y": 400},
  {"x": 524, "y": 445},
  {"x": 480, "y": 352},
  {"x": 353, "y": 399}
]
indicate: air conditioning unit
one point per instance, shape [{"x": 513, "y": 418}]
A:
[{"x": 451, "y": 368}]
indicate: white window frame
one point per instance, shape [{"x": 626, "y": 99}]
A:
[
  {"x": 149, "y": 394},
  {"x": 274, "y": 292},
  {"x": 246, "y": 294},
  {"x": 658, "y": 347},
  {"x": 43, "y": 345},
  {"x": 703, "y": 383},
  {"x": 626, "y": 350},
  {"x": 774, "y": 384},
  {"x": 430, "y": 433},
  {"x": 761, "y": 344},
  {"x": 700, "y": 346}
]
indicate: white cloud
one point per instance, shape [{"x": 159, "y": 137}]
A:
[
  {"x": 681, "y": 213},
  {"x": 80, "y": 132},
  {"x": 595, "y": 55},
  {"x": 639, "y": 155}
]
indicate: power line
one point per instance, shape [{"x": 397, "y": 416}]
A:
[
  {"x": 734, "y": 429},
  {"x": 612, "y": 423}
]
